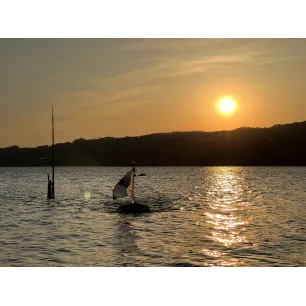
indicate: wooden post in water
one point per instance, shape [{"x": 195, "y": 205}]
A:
[
  {"x": 133, "y": 180},
  {"x": 53, "y": 157}
]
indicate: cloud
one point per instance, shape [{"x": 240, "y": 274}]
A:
[
  {"x": 112, "y": 99},
  {"x": 139, "y": 85},
  {"x": 160, "y": 67},
  {"x": 131, "y": 93},
  {"x": 164, "y": 44},
  {"x": 83, "y": 93}
]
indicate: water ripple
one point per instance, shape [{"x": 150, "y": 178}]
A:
[{"x": 202, "y": 216}]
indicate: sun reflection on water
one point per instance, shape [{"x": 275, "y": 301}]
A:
[
  {"x": 225, "y": 215},
  {"x": 87, "y": 195}
]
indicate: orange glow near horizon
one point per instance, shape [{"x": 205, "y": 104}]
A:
[{"x": 138, "y": 87}]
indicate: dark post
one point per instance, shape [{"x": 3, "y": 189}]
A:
[
  {"x": 49, "y": 194},
  {"x": 53, "y": 158},
  {"x": 133, "y": 179},
  {"x": 133, "y": 165}
]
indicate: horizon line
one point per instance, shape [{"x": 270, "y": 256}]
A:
[{"x": 158, "y": 133}]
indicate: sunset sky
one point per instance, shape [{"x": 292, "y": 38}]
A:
[{"x": 128, "y": 87}]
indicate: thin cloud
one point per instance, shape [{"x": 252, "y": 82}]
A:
[
  {"x": 172, "y": 66},
  {"x": 133, "y": 87},
  {"x": 131, "y": 93},
  {"x": 83, "y": 93},
  {"x": 103, "y": 103},
  {"x": 164, "y": 44}
]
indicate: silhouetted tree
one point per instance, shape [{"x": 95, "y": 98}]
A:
[{"x": 279, "y": 145}]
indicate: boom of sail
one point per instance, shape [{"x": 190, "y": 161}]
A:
[{"x": 125, "y": 187}]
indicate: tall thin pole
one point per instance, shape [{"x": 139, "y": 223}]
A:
[{"x": 53, "y": 159}]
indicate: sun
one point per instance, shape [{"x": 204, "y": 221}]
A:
[{"x": 227, "y": 105}]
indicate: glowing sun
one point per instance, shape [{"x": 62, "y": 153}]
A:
[{"x": 227, "y": 105}]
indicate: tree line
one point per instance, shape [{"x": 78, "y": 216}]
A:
[{"x": 280, "y": 145}]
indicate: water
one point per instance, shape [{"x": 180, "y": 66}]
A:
[{"x": 203, "y": 216}]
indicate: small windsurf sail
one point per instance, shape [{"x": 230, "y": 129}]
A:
[{"x": 125, "y": 187}]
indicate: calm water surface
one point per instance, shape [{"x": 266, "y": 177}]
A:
[{"x": 203, "y": 216}]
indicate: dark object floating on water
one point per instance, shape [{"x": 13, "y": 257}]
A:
[
  {"x": 141, "y": 174},
  {"x": 125, "y": 188},
  {"x": 133, "y": 208}
]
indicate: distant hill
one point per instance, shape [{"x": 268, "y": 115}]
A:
[{"x": 280, "y": 145}]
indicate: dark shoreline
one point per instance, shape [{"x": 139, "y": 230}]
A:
[{"x": 278, "y": 146}]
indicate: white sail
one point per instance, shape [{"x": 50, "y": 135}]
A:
[{"x": 125, "y": 187}]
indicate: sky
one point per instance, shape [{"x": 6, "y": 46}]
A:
[{"x": 131, "y": 87}]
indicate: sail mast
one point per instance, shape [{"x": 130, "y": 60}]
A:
[{"x": 53, "y": 160}]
